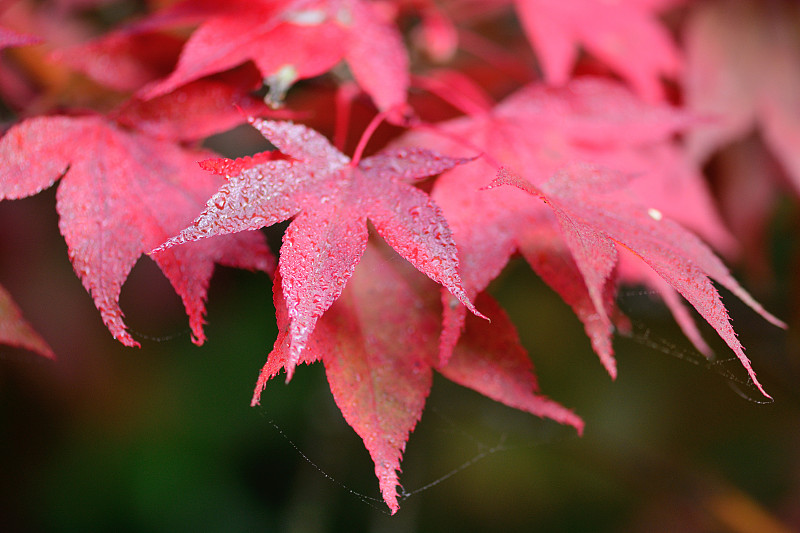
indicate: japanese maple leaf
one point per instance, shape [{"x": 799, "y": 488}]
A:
[
  {"x": 379, "y": 345},
  {"x": 331, "y": 198},
  {"x": 743, "y": 69},
  {"x": 539, "y": 129},
  {"x": 594, "y": 221},
  {"x": 15, "y": 330},
  {"x": 121, "y": 194},
  {"x": 625, "y": 35},
  {"x": 291, "y": 40}
]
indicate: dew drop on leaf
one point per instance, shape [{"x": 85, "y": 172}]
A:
[{"x": 309, "y": 17}]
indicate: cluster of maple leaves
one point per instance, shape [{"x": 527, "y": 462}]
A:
[{"x": 590, "y": 170}]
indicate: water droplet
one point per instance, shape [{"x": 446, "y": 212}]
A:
[
  {"x": 219, "y": 202},
  {"x": 655, "y": 214},
  {"x": 309, "y": 17}
]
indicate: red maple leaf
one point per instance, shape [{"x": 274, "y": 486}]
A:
[
  {"x": 290, "y": 40},
  {"x": 379, "y": 345},
  {"x": 539, "y": 130},
  {"x": 15, "y": 330},
  {"x": 331, "y": 198},
  {"x": 594, "y": 220},
  {"x": 625, "y": 35},
  {"x": 121, "y": 194}
]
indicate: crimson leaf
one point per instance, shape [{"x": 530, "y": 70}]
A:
[
  {"x": 537, "y": 130},
  {"x": 379, "y": 344},
  {"x": 593, "y": 221},
  {"x": 331, "y": 198},
  {"x": 121, "y": 194},
  {"x": 291, "y": 40}
]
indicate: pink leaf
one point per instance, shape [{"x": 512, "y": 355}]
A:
[
  {"x": 491, "y": 360},
  {"x": 290, "y": 40},
  {"x": 121, "y": 194},
  {"x": 588, "y": 211},
  {"x": 536, "y": 131},
  {"x": 332, "y": 199},
  {"x": 378, "y": 342}
]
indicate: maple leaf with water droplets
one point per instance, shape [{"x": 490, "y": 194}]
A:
[
  {"x": 331, "y": 198},
  {"x": 538, "y": 130},
  {"x": 122, "y": 193},
  {"x": 593, "y": 221},
  {"x": 379, "y": 345}
]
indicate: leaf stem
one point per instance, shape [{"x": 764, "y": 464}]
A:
[{"x": 370, "y": 129}]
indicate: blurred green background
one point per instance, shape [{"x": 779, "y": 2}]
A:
[{"x": 163, "y": 438}]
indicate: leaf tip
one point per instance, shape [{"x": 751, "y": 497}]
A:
[
  {"x": 126, "y": 339},
  {"x": 169, "y": 243},
  {"x": 158, "y": 249},
  {"x": 759, "y": 386},
  {"x": 610, "y": 364},
  {"x": 465, "y": 300},
  {"x": 289, "y": 367},
  {"x": 478, "y": 313},
  {"x": 198, "y": 338}
]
